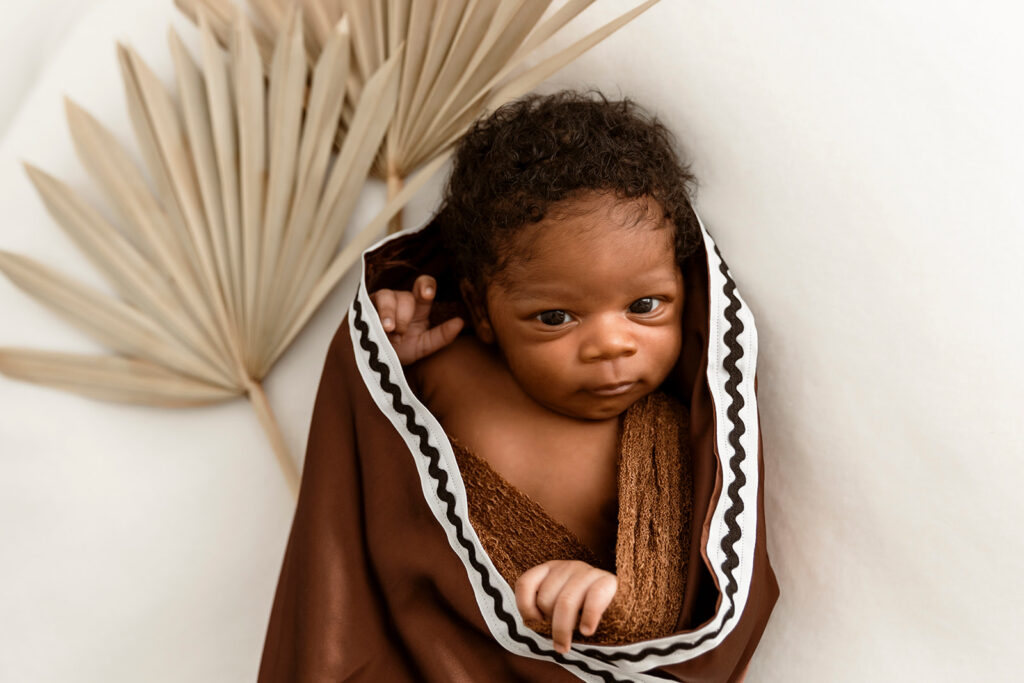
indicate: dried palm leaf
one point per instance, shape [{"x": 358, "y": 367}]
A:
[
  {"x": 220, "y": 266},
  {"x": 460, "y": 59}
]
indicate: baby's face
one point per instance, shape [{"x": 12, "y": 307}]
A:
[{"x": 598, "y": 303}]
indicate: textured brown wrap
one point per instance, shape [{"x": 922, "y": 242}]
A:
[
  {"x": 653, "y": 511},
  {"x": 384, "y": 577}
]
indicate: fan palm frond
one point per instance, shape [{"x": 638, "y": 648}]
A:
[
  {"x": 461, "y": 59},
  {"x": 219, "y": 266}
]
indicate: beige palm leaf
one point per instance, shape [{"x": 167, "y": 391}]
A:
[
  {"x": 461, "y": 59},
  {"x": 219, "y": 268}
]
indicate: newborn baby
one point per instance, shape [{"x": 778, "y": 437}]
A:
[
  {"x": 570, "y": 272},
  {"x": 568, "y": 481}
]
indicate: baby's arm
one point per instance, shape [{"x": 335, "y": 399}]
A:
[
  {"x": 406, "y": 317},
  {"x": 557, "y": 590}
]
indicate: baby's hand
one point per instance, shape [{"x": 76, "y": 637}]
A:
[
  {"x": 405, "y": 316},
  {"x": 557, "y": 589}
]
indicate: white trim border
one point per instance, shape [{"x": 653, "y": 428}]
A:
[{"x": 527, "y": 642}]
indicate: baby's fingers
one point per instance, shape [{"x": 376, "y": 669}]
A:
[
  {"x": 439, "y": 336},
  {"x": 386, "y": 303},
  {"x": 405, "y": 308},
  {"x": 567, "y": 611},
  {"x": 423, "y": 290},
  {"x": 599, "y": 596},
  {"x": 526, "y": 591}
]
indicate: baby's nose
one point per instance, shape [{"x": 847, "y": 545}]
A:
[{"x": 607, "y": 338}]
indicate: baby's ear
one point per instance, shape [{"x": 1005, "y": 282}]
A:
[{"x": 476, "y": 304}]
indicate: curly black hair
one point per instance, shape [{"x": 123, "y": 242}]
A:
[{"x": 511, "y": 167}]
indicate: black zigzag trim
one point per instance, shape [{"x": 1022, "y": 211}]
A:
[
  {"x": 736, "y": 506},
  {"x": 441, "y": 488}
]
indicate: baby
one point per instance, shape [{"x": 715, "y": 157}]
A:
[{"x": 568, "y": 217}]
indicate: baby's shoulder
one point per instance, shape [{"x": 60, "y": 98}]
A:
[{"x": 465, "y": 370}]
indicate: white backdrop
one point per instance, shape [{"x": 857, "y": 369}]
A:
[{"x": 860, "y": 167}]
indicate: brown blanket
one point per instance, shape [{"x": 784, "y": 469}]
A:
[{"x": 386, "y": 576}]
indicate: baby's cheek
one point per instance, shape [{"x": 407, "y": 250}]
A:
[
  {"x": 669, "y": 345},
  {"x": 546, "y": 373},
  {"x": 528, "y": 369}
]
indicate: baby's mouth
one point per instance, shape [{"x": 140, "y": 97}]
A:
[{"x": 613, "y": 389}]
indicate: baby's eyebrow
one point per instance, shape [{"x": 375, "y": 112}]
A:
[{"x": 531, "y": 288}]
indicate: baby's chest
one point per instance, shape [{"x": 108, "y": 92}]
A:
[
  {"x": 574, "y": 481},
  {"x": 569, "y": 467}
]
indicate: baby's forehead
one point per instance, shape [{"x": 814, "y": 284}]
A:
[
  {"x": 544, "y": 247},
  {"x": 587, "y": 241},
  {"x": 552, "y": 273}
]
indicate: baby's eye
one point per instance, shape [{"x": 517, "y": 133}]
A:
[
  {"x": 647, "y": 305},
  {"x": 553, "y": 318}
]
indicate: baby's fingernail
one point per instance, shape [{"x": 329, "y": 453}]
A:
[
  {"x": 429, "y": 291},
  {"x": 387, "y": 322}
]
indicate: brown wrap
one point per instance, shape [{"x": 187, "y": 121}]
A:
[
  {"x": 371, "y": 586},
  {"x": 653, "y": 512}
]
